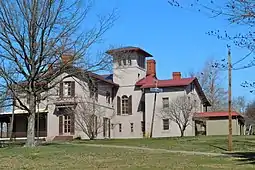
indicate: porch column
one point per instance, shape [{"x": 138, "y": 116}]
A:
[
  {"x": 1, "y": 129},
  {"x": 7, "y": 127}
]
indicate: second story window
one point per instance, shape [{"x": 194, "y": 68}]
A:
[
  {"x": 108, "y": 97},
  {"x": 67, "y": 89},
  {"x": 165, "y": 102},
  {"x": 124, "y": 105},
  {"x": 119, "y": 61},
  {"x": 129, "y": 61},
  {"x": 93, "y": 89},
  {"x": 124, "y": 62}
]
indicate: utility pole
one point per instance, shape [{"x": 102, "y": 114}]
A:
[
  {"x": 229, "y": 101},
  {"x": 155, "y": 90}
]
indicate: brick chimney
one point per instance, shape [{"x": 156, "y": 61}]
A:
[
  {"x": 177, "y": 75},
  {"x": 151, "y": 67},
  {"x": 67, "y": 58}
]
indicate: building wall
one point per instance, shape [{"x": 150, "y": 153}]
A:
[
  {"x": 126, "y": 120},
  {"x": 220, "y": 127},
  {"x": 81, "y": 95}
]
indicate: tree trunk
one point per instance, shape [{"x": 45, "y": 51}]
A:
[
  {"x": 31, "y": 122},
  {"x": 11, "y": 125},
  {"x": 182, "y": 133}
]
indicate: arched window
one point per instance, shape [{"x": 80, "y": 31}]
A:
[{"x": 124, "y": 104}]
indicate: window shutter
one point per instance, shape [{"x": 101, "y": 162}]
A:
[
  {"x": 72, "y": 88},
  {"x": 118, "y": 105},
  {"x": 130, "y": 105},
  {"x": 61, "y": 89},
  {"x": 60, "y": 125},
  {"x": 72, "y": 123}
]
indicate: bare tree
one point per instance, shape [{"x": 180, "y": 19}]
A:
[
  {"x": 239, "y": 104},
  {"x": 90, "y": 117},
  {"x": 210, "y": 79},
  {"x": 250, "y": 111},
  {"x": 235, "y": 12},
  {"x": 180, "y": 111},
  {"x": 34, "y": 35}
]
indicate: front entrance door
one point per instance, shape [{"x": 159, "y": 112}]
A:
[
  {"x": 106, "y": 127},
  {"x": 67, "y": 125}
]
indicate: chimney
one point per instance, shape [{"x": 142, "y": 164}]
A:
[
  {"x": 67, "y": 59},
  {"x": 177, "y": 75},
  {"x": 151, "y": 67}
]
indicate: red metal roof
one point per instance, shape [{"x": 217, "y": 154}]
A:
[
  {"x": 150, "y": 82},
  {"x": 215, "y": 114}
]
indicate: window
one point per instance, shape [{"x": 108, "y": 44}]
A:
[
  {"x": 120, "y": 128},
  {"x": 195, "y": 105},
  {"x": 124, "y": 105},
  {"x": 108, "y": 97},
  {"x": 143, "y": 126},
  {"x": 93, "y": 87},
  {"x": 129, "y": 61},
  {"x": 165, "y": 102},
  {"x": 28, "y": 98},
  {"x": 191, "y": 86},
  {"x": 132, "y": 127},
  {"x": 67, "y": 89},
  {"x": 119, "y": 61},
  {"x": 165, "y": 124},
  {"x": 124, "y": 62}
]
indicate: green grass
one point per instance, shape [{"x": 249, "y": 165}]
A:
[
  {"x": 203, "y": 143},
  {"x": 68, "y": 156}
]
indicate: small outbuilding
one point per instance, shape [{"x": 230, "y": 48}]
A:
[{"x": 217, "y": 123}]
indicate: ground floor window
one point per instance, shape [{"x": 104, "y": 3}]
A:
[
  {"x": 165, "y": 124},
  {"x": 132, "y": 127},
  {"x": 120, "y": 128}
]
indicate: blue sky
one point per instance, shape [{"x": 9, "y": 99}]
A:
[{"x": 176, "y": 38}]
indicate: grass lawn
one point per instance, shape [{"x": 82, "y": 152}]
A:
[
  {"x": 203, "y": 143},
  {"x": 68, "y": 156}
]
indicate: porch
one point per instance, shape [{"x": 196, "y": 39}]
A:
[{"x": 20, "y": 125}]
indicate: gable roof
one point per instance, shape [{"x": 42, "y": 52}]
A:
[
  {"x": 129, "y": 49},
  {"x": 81, "y": 72},
  {"x": 215, "y": 114},
  {"x": 149, "y": 82},
  {"x": 78, "y": 73}
]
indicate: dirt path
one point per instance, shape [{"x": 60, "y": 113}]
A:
[{"x": 155, "y": 150}]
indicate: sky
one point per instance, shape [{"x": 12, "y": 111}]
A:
[{"x": 176, "y": 38}]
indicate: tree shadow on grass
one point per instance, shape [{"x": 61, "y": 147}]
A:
[
  {"x": 244, "y": 157},
  {"x": 218, "y": 147}
]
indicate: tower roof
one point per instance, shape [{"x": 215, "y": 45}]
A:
[{"x": 128, "y": 49}]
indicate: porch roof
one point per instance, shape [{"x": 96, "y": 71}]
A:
[{"x": 214, "y": 114}]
